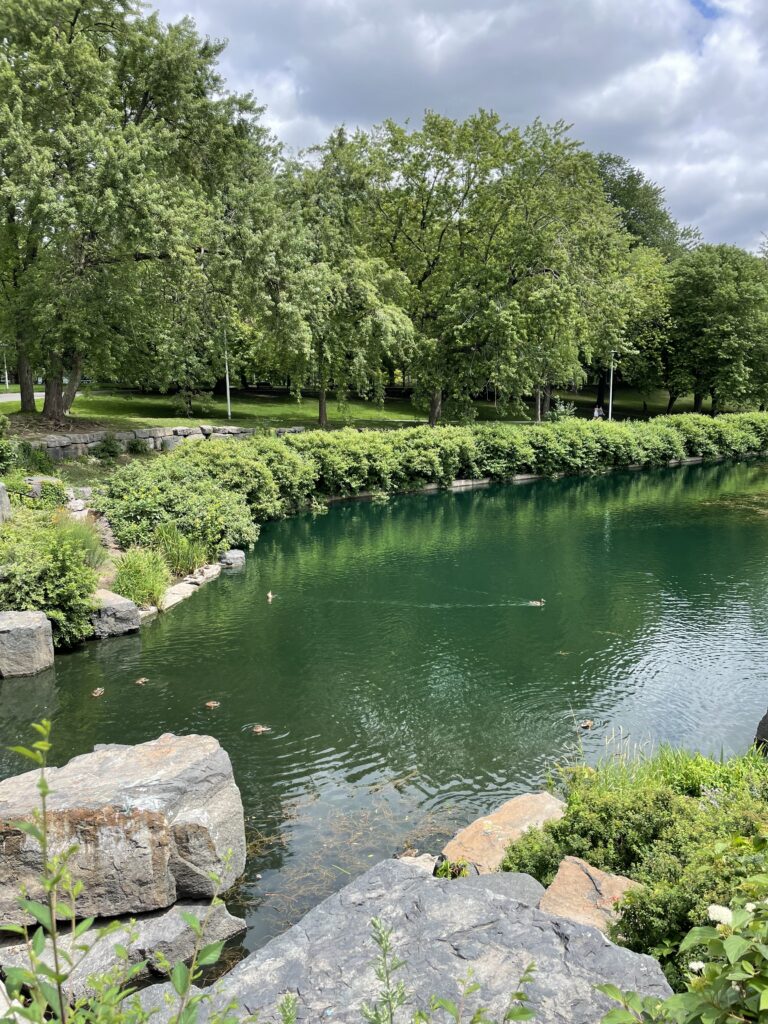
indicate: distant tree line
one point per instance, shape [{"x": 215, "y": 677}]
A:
[{"x": 151, "y": 229}]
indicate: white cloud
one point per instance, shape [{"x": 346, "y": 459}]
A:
[{"x": 680, "y": 87}]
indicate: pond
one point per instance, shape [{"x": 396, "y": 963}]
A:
[{"x": 408, "y": 684}]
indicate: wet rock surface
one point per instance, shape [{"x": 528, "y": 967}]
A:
[{"x": 26, "y": 644}]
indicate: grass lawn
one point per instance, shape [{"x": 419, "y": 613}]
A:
[
  {"x": 125, "y": 410},
  {"x": 121, "y": 410}
]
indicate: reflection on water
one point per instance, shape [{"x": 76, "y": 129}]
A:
[{"x": 407, "y": 682}]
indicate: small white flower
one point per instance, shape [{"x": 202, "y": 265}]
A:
[
  {"x": 696, "y": 966},
  {"x": 750, "y": 907},
  {"x": 722, "y": 915}
]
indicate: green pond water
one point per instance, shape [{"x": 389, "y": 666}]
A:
[{"x": 408, "y": 684}]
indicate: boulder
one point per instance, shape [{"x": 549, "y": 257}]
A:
[
  {"x": 424, "y": 862},
  {"x": 147, "y": 614},
  {"x": 149, "y": 939},
  {"x": 114, "y": 616},
  {"x": 440, "y": 929},
  {"x": 484, "y": 842},
  {"x": 26, "y": 643},
  {"x": 8, "y": 1006},
  {"x": 585, "y": 894},
  {"x": 36, "y": 484},
  {"x": 5, "y": 504},
  {"x": 150, "y": 822},
  {"x": 514, "y": 884},
  {"x": 233, "y": 559}
]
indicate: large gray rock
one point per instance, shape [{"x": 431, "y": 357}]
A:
[
  {"x": 150, "y": 939},
  {"x": 440, "y": 928},
  {"x": 513, "y": 884},
  {"x": 26, "y": 643},
  {"x": 150, "y": 824},
  {"x": 233, "y": 559},
  {"x": 5, "y": 504},
  {"x": 115, "y": 615}
]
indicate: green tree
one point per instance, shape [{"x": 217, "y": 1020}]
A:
[
  {"x": 718, "y": 339},
  {"x": 336, "y": 312},
  {"x": 116, "y": 132}
]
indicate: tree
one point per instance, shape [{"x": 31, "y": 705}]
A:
[
  {"x": 642, "y": 207},
  {"x": 719, "y": 326},
  {"x": 336, "y": 312},
  {"x": 113, "y": 129},
  {"x": 515, "y": 257}
]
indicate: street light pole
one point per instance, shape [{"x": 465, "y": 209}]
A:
[
  {"x": 610, "y": 392},
  {"x": 226, "y": 377}
]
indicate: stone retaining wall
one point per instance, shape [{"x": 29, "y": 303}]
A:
[{"x": 71, "y": 446}]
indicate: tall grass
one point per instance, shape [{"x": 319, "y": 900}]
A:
[
  {"x": 83, "y": 535},
  {"x": 142, "y": 576},
  {"x": 182, "y": 554}
]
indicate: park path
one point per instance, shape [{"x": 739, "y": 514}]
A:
[{"x": 14, "y": 396}]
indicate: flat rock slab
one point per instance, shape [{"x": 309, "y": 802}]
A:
[
  {"x": 149, "y": 939},
  {"x": 150, "y": 823},
  {"x": 115, "y": 615},
  {"x": 484, "y": 842},
  {"x": 585, "y": 894},
  {"x": 440, "y": 929},
  {"x": 514, "y": 884},
  {"x": 176, "y": 594},
  {"x": 26, "y": 644}
]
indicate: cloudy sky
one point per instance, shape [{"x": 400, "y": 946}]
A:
[{"x": 678, "y": 86}]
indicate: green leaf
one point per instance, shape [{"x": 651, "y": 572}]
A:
[
  {"x": 180, "y": 978},
  {"x": 192, "y": 921},
  {"x": 612, "y": 992},
  {"x": 38, "y": 942},
  {"x": 619, "y": 1016},
  {"x": 51, "y": 994},
  {"x": 40, "y": 913},
  {"x": 83, "y": 926},
  {"x": 698, "y": 937},
  {"x": 735, "y": 947},
  {"x": 210, "y": 954},
  {"x": 764, "y": 999}
]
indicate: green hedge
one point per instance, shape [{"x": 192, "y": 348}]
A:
[{"x": 218, "y": 491}]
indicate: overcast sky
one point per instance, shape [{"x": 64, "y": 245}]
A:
[{"x": 680, "y": 87}]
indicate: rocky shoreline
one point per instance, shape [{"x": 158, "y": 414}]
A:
[{"x": 151, "y": 823}]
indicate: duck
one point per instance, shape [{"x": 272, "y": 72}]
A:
[
  {"x": 586, "y": 724},
  {"x": 141, "y": 681},
  {"x": 537, "y": 604},
  {"x": 259, "y": 729},
  {"x": 270, "y": 597},
  {"x": 213, "y": 704},
  {"x": 98, "y": 692}
]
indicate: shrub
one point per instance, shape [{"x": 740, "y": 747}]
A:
[
  {"x": 108, "y": 448},
  {"x": 83, "y": 535},
  {"x": 142, "y": 495},
  {"x": 142, "y": 576},
  {"x": 43, "y": 569},
  {"x": 662, "y": 821},
  {"x": 182, "y": 554},
  {"x": 137, "y": 446}
]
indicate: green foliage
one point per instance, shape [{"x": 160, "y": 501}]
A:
[
  {"x": 142, "y": 576},
  {"x": 452, "y": 869},
  {"x": 44, "y": 567},
  {"x": 137, "y": 446},
  {"x": 107, "y": 448},
  {"x": 37, "y": 460},
  {"x": 726, "y": 961},
  {"x": 84, "y": 535},
  {"x": 52, "y": 491},
  {"x": 662, "y": 820},
  {"x": 182, "y": 555}
]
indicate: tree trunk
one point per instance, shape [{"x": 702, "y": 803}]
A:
[
  {"x": 538, "y": 405},
  {"x": 715, "y": 403},
  {"x": 323, "y": 407},
  {"x": 547, "y": 403},
  {"x": 673, "y": 396},
  {"x": 698, "y": 401},
  {"x": 70, "y": 391},
  {"x": 53, "y": 407},
  {"x": 26, "y": 383},
  {"x": 602, "y": 384},
  {"x": 435, "y": 407}
]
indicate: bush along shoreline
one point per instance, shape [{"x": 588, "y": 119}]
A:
[{"x": 176, "y": 512}]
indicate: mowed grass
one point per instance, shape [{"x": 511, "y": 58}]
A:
[{"x": 123, "y": 410}]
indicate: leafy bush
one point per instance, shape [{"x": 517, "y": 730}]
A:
[
  {"x": 137, "y": 446},
  {"x": 141, "y": 496},
  {"x": 726, "y": 961},
  {"x": 182, "y": 554},
  {"x": 83, "y": 535},
  {"x": 108, "y": 448},
  {"x": 662, "y": 821},
  {"x": 35, "y": 459},
  {"x": 43, "y": 568},
  {"x": 142, "y": 576},
  {"x": 9, "y": 447}
]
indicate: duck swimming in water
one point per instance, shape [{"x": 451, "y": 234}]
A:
[
  {"x": 271, "y": 597},
  {"x": 142, "y": 681},
  {"x": 213, "y": 704},
  {"x": 537, "y": 604},
  {"x": 259, "y": 729}
]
